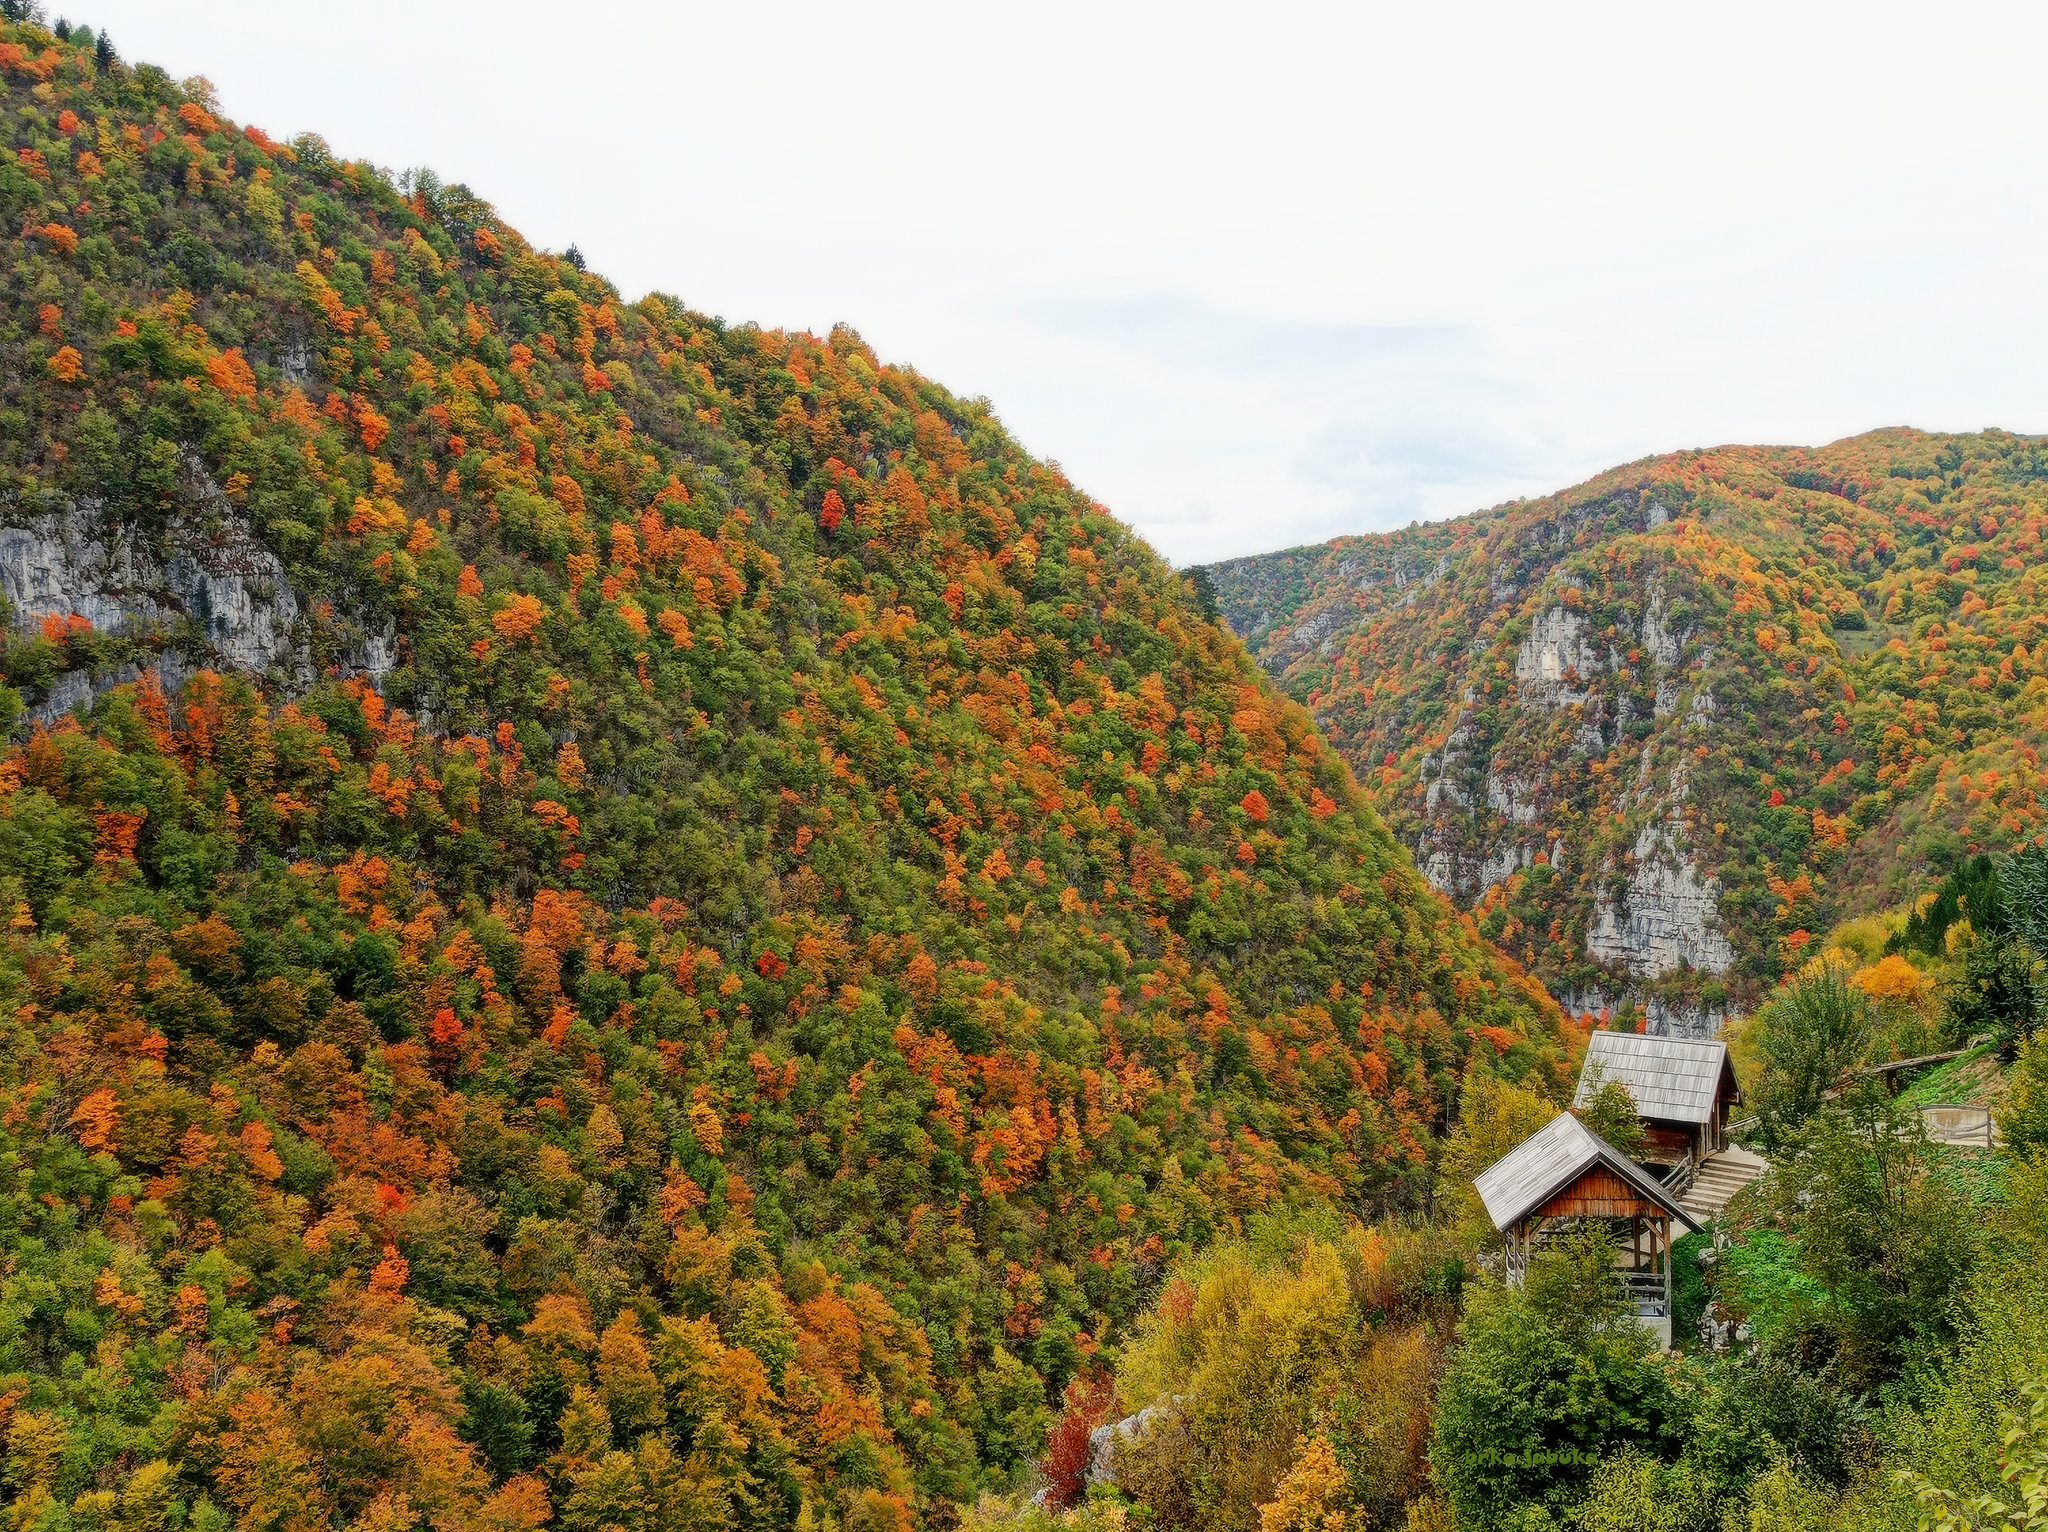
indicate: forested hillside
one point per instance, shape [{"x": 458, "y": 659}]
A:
[
  {"x": 611, "y": 918},
  {"x": 1657, "y": 730}
]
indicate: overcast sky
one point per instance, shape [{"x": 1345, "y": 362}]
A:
[{"x": 1255, "y": 274}]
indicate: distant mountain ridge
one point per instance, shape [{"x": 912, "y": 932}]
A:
[{"x": 1659, "y": 729}]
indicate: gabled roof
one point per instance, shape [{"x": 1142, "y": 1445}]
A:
[
  {"x": 1673, "y": 1079},
  {"x": 1548, "y": 1161}
]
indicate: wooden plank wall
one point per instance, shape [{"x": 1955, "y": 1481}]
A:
[{"x": 1600, "y": 1193}]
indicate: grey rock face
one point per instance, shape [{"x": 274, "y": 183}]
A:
[
  {"x": 1663, "y": 645},
  {"x": 1556, "y": 660},
  {"x": 1103, "y": 1441},
  {"x": 1697, "y": 1021},
  {"x": 1315, "y": 632},
  {"x": 216, "y": 590},
  {"x": 1511, "y": 798},
  {"x": 1668, "y": 918},
  {"x": 297, "y": 362},
  {"x": 70, "y": 690},
  {"x": 1503, "y": 864}
]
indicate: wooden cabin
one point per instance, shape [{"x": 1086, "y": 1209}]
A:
[
  {"x": 1684, "y": 1090},
  {"x": 1564, "y": 1173}
]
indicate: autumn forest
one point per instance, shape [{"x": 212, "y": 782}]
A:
[{"x": 616, "y": 920}]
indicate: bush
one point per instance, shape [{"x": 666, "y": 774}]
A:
[
  {"x": 1760, "y": 1410},
  {"x": 1551, "y": 1377},
  {"x": 1688, "y": 1287},
  {"x": 2021, "y": 1499},
  {"x": 1952, "y": 1438},
  {"x": 993, "y": 1513},
  {"x": 1762, "y": 1283},
  {"x": 2023, "y": 1118},
  {"x": 1302, "y": 1331},
  {"x": 1861, "y": 1248},
  {"x": 1780, "y": 1501},
  {"x": 1633, "y": 1492},
  {"x": 1812, "y": 1030}
]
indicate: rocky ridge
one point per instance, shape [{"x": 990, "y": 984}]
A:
[{"x": 1655, "y": 730}]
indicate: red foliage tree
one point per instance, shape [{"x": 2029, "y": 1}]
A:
[{"x": 1090, "y": 1401}]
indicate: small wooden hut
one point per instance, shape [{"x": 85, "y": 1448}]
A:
[
  {"x": 1684, "y": 1089},
  {"x": 1565, "y": 1173}
]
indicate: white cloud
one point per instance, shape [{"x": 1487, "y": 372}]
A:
[{"x": 1256, "y": 275}]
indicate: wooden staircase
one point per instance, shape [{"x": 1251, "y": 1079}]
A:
[{"x": 1721, "y": 1177}]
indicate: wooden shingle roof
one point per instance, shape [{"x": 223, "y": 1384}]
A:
[
  {"x": 1673, "y": 1079},
  {"x": 1551, "y": 1159}
]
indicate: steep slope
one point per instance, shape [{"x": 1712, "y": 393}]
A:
[
  {"x": 1658, "y": 728},
  {"x": 610, "y": 916}
]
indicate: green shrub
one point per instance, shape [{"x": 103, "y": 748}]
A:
[
  {"x": 1951, "y": 1438},
  {"x": 1633, "y": 1492},
  {"x": 1811, "y": 1030},
  {"x": 1860, "y": 1246},
  {"x": 1688, "y": 1287},
  {"x": 1780, "y": 1501},
  {"x": 2023, "y": 1118},
  {"x": 1551, "y": 1378}
]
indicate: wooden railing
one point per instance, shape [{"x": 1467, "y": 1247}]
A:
[
  {"x": 1644, "y": 1292},
  {"x": 1989, "y": 1128},
  {"x": 1683, "y": 1174},
  {"x": 1965, "y": 1118}
]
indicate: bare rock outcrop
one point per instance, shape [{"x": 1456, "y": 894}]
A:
[
  {"x": 205, "y": 592},
  {"x": 231, "y": 588},
  {"x": 1557, "y": 661},
  {"x": 1669, "y": 917}
]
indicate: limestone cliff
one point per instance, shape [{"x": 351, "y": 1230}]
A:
[
  {"x": 1656, "y": 730},
  {"x": 198, "y": 592}
]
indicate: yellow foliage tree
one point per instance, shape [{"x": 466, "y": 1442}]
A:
[
  {"x": 1305, "y": 1499},
  {"x": 1291, "y": 1371},
  {"x": 1494, "y": 1116},
  {"x": 1891, "y": 978}
]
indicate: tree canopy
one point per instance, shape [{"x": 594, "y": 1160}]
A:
[{"x": 705, "y": 980}]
